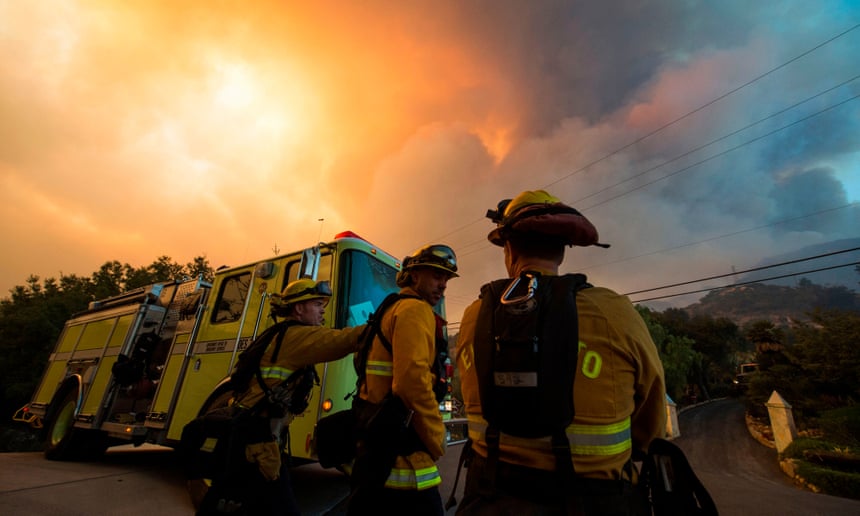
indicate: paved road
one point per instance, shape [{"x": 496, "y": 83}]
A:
[
  {"x": 741, "y": 474},
  {"x": 147, "y": 481}
]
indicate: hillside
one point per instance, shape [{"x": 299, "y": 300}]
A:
[{"x": 778, "y": 304}]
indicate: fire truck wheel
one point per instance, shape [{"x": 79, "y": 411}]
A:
[{"x": 65, "y": 442}]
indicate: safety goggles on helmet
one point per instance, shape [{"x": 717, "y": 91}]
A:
[
  {"x": 301, "y": 290},
  {"x": 437, "y": 255}
]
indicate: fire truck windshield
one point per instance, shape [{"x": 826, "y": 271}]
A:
[{"x": 365, "y": 281}]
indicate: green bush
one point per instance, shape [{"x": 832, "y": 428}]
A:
[
  {"x": 801, "y": 444},
  {"x": 830, "y": 481},
  {"x": 842, "y": 425}
]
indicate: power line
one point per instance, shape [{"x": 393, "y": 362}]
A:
[
  {"x": 709, "y": 103},
  {"x": 710, "y": 289},
  {"x": 722, "y": 153},
  {"x": 725, "y": 235},
  {"x": 747, "y": 282},
  {"x": 754, "y": 269},
  {"x": 721, "y": 138},
  {"x": 676, "y": 120},
  {"x": 702, "y": 161},
  {"x": 718, "y": 237}
]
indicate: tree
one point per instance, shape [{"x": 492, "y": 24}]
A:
[
  {"x": 827, "y": 349},
  {"x": 200, "y": 267},
  {"x": 820, "y": 371},
  {"x": 33, "y": 317},
  {"x": 718, "y": 342},
  {"x": 676, "y": 354},
  {"x": 763, "y": 334}
]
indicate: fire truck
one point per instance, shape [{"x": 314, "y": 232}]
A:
[{"x": 137, "y": 367}]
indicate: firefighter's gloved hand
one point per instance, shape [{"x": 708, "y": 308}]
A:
[{"x": 267, "y": 456}]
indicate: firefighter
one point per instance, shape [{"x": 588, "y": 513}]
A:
[
  {"x": 406, "y": 376},
  {"x": 617, "y": 397},
  {"x": 304, "y": 343}
]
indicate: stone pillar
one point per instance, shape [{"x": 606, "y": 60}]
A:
[
  {"x": 781, "y": 421},
  {"x": 672, "y": 429}
]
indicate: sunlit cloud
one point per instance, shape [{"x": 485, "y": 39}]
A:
[{"x": 134, "y": 130}]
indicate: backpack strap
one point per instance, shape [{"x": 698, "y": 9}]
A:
[
  {"x": 278, "y": 331},
  {"x": 374, "y": 329},
  {"x": 560, "y": 296},
  {"x": 377, "y": 319}
]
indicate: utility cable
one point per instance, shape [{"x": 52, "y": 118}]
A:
[
  {"x": 722, "y": 153},
  {"x": 754, "y": 269},
  {"x": 718, "y": 237},
  {"x": 747, "y": 282},
  {"x": 721, "y": 138},
  {"x": 682, "y": 117},
  {"x": 700, "y": 162},
  {"x": 703, "y": 106}
]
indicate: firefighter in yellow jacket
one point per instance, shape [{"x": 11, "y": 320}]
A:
[
  {"x": 409, "y": 372},
  {"x": 263, "y": 485},
  {"x": 618, "y": 393}
]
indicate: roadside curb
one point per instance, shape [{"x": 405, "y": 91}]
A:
[
  {"x": 757, "y": 433},
  {"x": 688, "y": 407},
  {"x": 763, "y": 435}
]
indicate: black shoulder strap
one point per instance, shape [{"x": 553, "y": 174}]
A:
[
  {"x": 279, "y": 339},
  {"x": 277, "y": 331},
  {"x": 555, "y": 326},
  {"x": 387, "y": 303},
  {"x": 374, "y": 329}
]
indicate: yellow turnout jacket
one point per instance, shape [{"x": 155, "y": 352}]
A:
[
  {"x": 619, "y": 390},
  {"x": 410, "y": 327}
]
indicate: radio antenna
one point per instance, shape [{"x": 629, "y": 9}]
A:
[{"x": 319, "y": 237}]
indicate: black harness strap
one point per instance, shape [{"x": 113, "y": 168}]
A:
[
  {"x": 281, "y": 330},
  {"x": 377, "y": 322},
  {"x": 553, "y": 332}
]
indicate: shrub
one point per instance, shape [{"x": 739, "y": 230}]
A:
[
  {"x": 831, "y": 481},
  {"x": 842, "y": 425},
  {"x": 801, "y": 444}
]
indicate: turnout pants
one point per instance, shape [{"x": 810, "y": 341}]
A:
[{"x": 522, "y": 491}]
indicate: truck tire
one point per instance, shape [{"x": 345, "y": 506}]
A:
[{"x": 63, "y": 441}]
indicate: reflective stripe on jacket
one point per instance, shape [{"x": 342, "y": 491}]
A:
[
  {"x": 619, "y": 391},
  {"x": 608, "y": 439},
  {"x": 410, "y": 326},
  {"x": 302, "y": 346}
]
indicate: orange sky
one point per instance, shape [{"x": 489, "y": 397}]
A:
[{"x": 132, "y": 130}]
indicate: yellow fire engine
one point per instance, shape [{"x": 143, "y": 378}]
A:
[{"x": 137, "y": 367}]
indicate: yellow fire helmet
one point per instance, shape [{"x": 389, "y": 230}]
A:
[
  {"x": 438, "y": 256},
  {"x": 538, "y": 212},
  {"x": 300, "y": 290}
]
